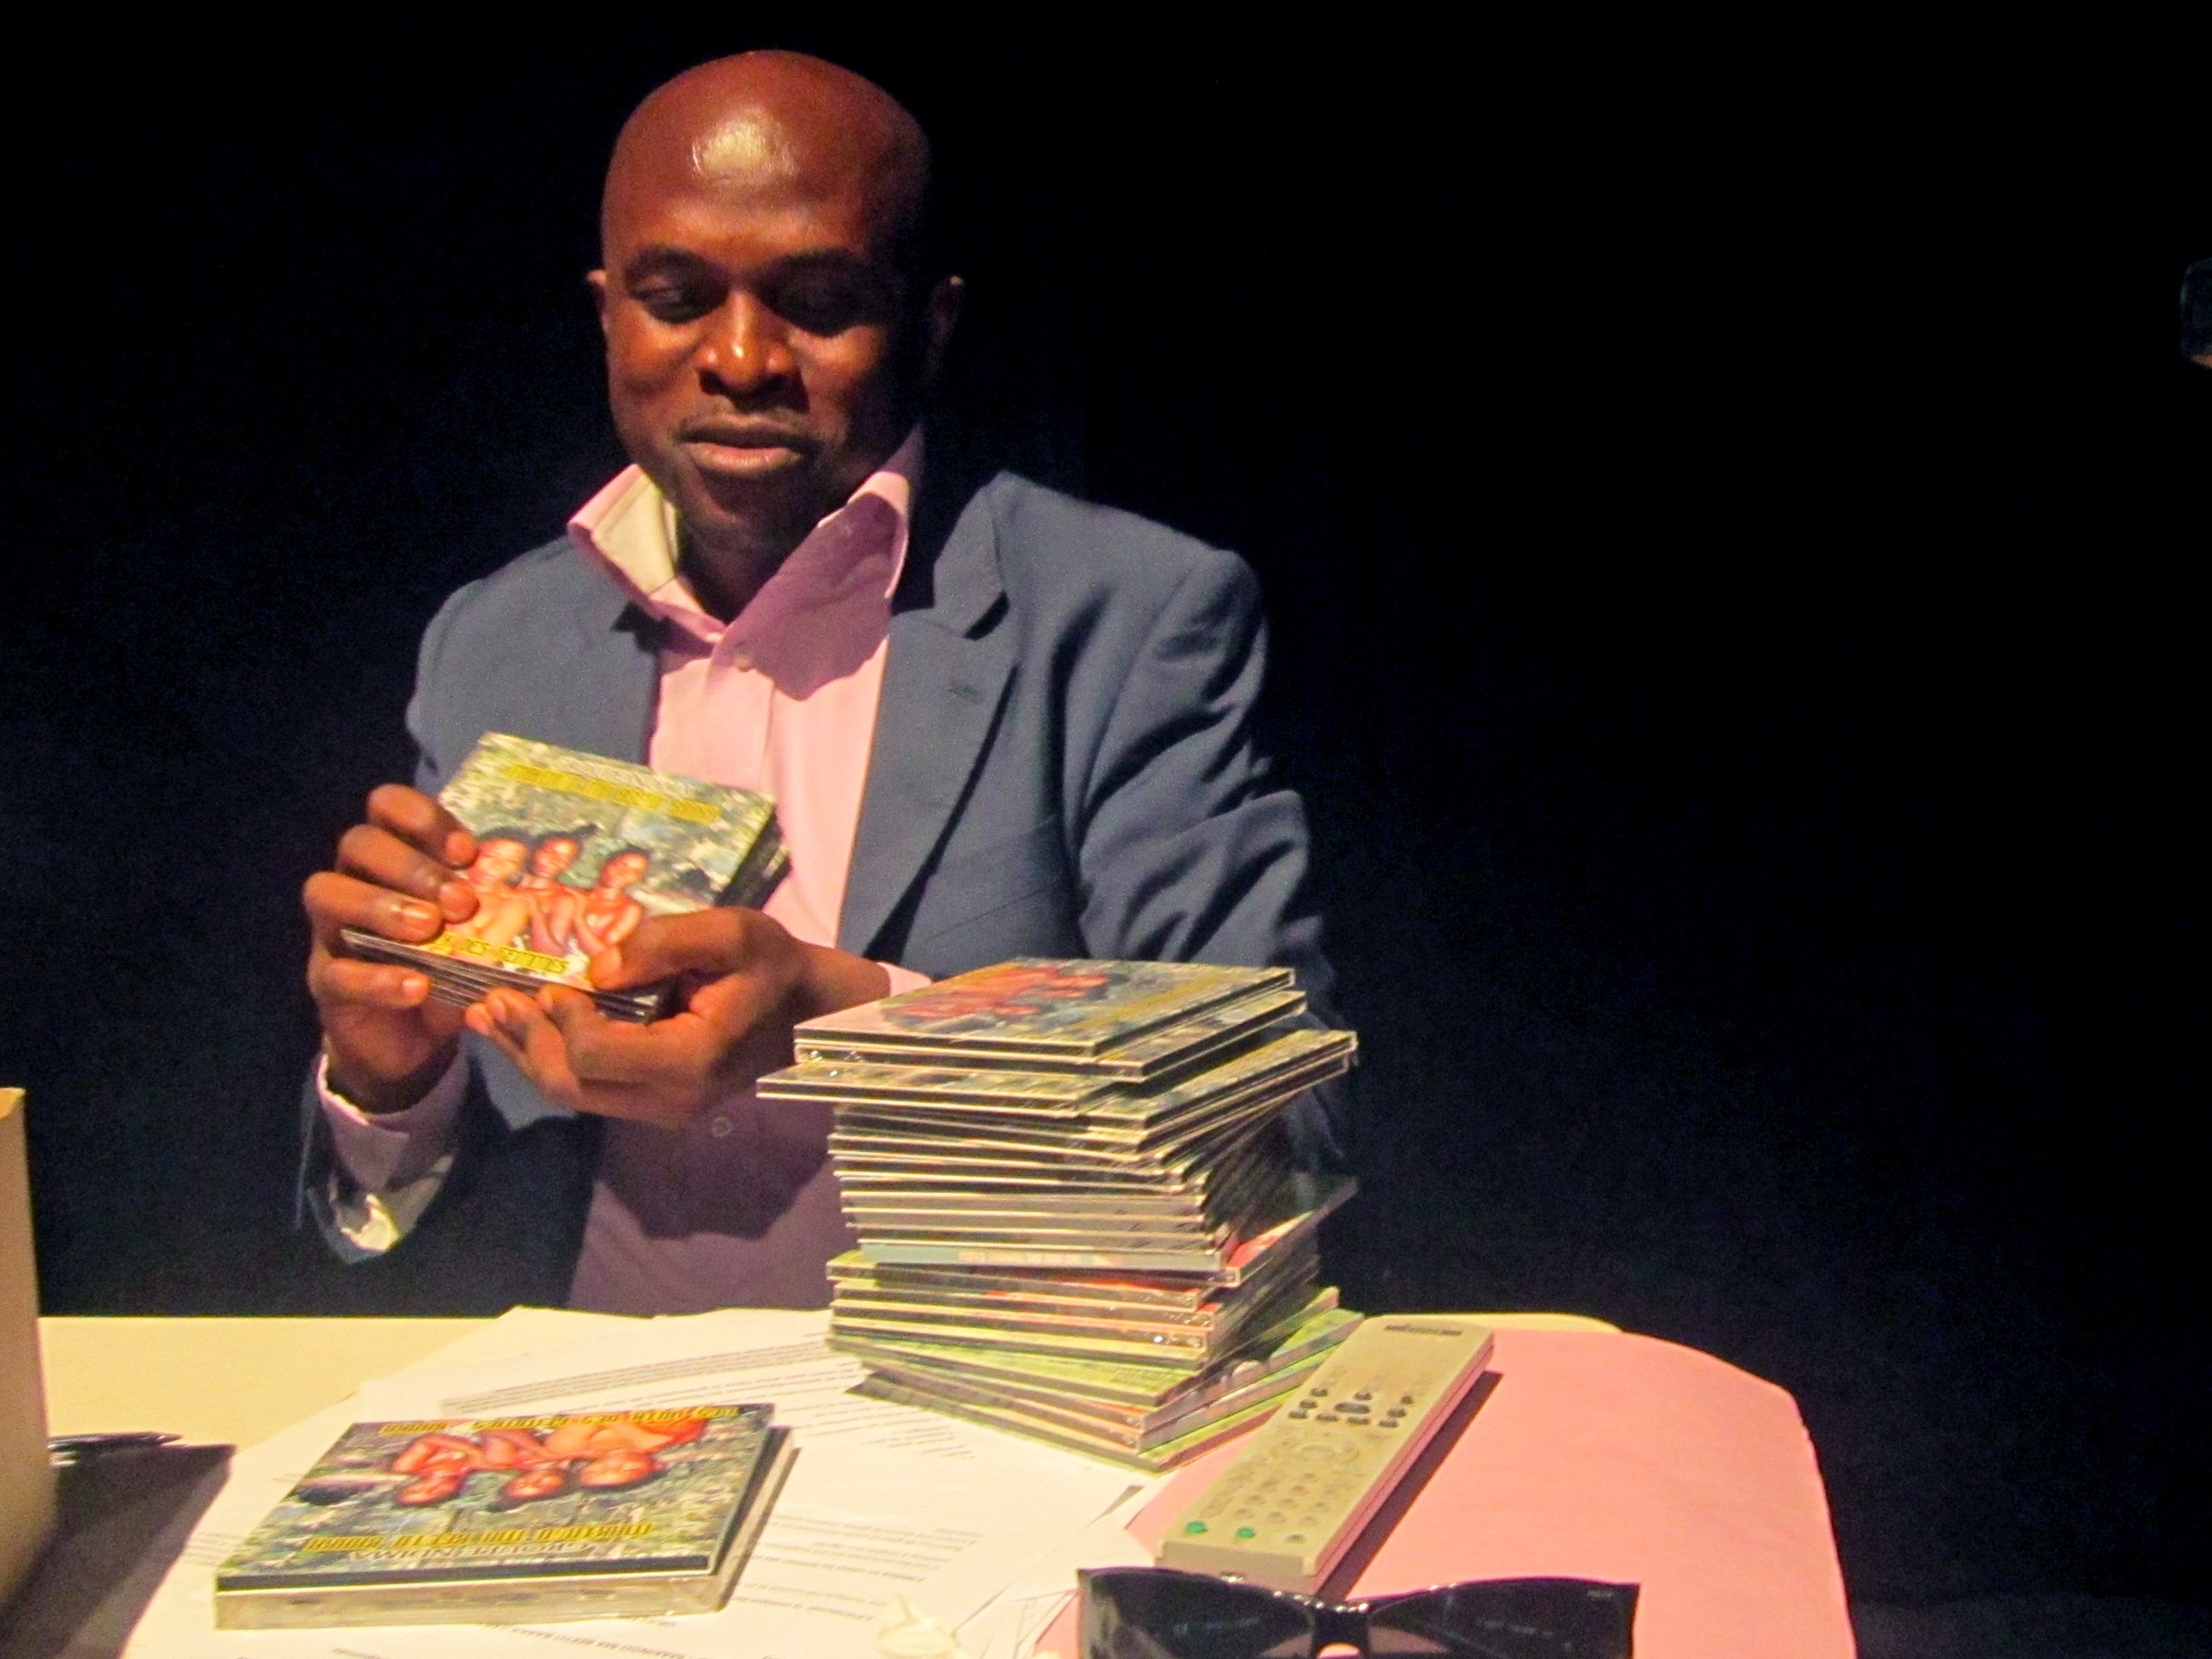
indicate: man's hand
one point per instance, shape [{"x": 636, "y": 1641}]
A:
[
  {"x": 748, "y": 983},
  {"x": 397, "y": 875}
]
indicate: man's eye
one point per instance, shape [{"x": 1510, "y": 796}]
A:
[
  {"x": 675, "y": 303},
  {"x": 820, "y": 308}
]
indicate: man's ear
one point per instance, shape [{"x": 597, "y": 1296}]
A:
[
  {"x": 596, "y": 282},
  {"x": 945, "y": 302}
]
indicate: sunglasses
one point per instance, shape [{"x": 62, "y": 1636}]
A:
[{"x": 1159, "y": 1612}]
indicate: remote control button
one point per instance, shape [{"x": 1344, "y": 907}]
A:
[
  {"x": 1193, "y": 1526},
  {"x": 1363, "y": 1394},
  {"x": 1246, "y": 1532}
]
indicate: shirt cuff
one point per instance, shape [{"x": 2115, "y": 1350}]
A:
[
  {"x": 368, "y": 1224},
  {"x": 393, "y": 1149}
]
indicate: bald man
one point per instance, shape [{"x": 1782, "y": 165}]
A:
[{"x": 996, "y": 721}]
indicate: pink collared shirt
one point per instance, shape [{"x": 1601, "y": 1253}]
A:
[{"x": 741, "y": 1208}]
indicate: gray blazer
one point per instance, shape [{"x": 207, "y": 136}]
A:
[{"x": 1064, "y": 765}]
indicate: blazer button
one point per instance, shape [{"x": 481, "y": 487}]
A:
[{"x": 720, "y": 1126}]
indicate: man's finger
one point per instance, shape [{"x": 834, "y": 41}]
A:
[
  {"x": 528, "y": 1034},
  {"x": 423, "y": 822},
  {"x": 716, "y": 942},
  {"x": 675, "y": 1057},
  {"x": 521, "y": 1030},
  {"x": 333, "y": 901},
  {"x": 372, "y": 854},
  {"x": 372, "y": 984},
  {"x": 738, "y": 1003}
]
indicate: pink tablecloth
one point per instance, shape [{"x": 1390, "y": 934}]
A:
[{"x": 1612, "y": 1456}]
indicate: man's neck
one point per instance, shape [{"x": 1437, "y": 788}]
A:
[
  {"x": 724, "y": 573},
  {"x": 723, "y": 579}
]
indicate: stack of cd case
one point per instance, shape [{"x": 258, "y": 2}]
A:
[
  {"x": 1076, "y": 1212},
  {"x": 573, "y": 852}
]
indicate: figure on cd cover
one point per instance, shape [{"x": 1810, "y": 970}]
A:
[
  {"x": 502, "y": 914},
  {"x": 980, "y": 1000},
  {"x": 605, "y": 914}
]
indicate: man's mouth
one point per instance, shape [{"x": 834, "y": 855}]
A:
[{"x": 736, "y": 450}]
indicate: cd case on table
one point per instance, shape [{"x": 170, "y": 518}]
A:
[
  {"x": 852, "y": 1272},
  {"x": 1298, "y": 1209},
  {"x": 1106, "y": 1409},
  {"x": 1049, "y": 1011},
  {"x": 954, "y": 1100},
  {"x": 1153, "y": 1393},
  {"x": 513, "y": 1520}
]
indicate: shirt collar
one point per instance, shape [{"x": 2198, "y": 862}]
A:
[{"x": 630, "y": 528}]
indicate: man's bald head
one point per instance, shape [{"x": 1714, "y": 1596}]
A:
[
  {"x": 770, "y": 314},
  {"x": 769, "y": 126}
]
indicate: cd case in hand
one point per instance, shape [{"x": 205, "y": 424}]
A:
[
  {"x": 573, "y": 852},
  {"x": 513, "y": 1520}
]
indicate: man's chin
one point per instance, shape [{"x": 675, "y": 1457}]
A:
[{"x": 768, "y": 512}]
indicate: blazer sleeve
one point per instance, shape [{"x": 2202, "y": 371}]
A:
[
  {"x": 1186, "y": 849},
  {"x": 508, "y": 1217},
  {"x": 432, "y": 767}
]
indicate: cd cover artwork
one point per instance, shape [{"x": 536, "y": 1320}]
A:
[
  {"x": 1079, "y": 1008},
  {"x": 409, "y": 1521}
]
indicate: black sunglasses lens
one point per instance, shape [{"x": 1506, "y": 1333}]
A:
[
  {"x": 1149, "y": 1613},
  {"x": 1511, "y": 1619}
]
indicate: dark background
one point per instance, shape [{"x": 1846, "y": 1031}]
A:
[{"x": 1731, "y": 537}]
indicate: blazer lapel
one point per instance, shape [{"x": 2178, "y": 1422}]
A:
[{"x": 944, "y": 678}]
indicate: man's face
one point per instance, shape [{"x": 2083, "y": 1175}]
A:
[{"x": 752, "y": 309}]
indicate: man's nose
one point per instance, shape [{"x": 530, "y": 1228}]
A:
[{"x": 746, "y": 351}]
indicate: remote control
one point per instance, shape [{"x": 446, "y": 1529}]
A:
[{"x": 1284, "y": 1512}]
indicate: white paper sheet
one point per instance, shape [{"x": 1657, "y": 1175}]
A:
[
  {"x": 520, "y": 1332},
  {"x": 884, "y": 1500},
  {"x": 1009, "y": 1625}
]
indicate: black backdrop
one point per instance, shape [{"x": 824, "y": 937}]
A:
[{"x": 1729, "y": 540}]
